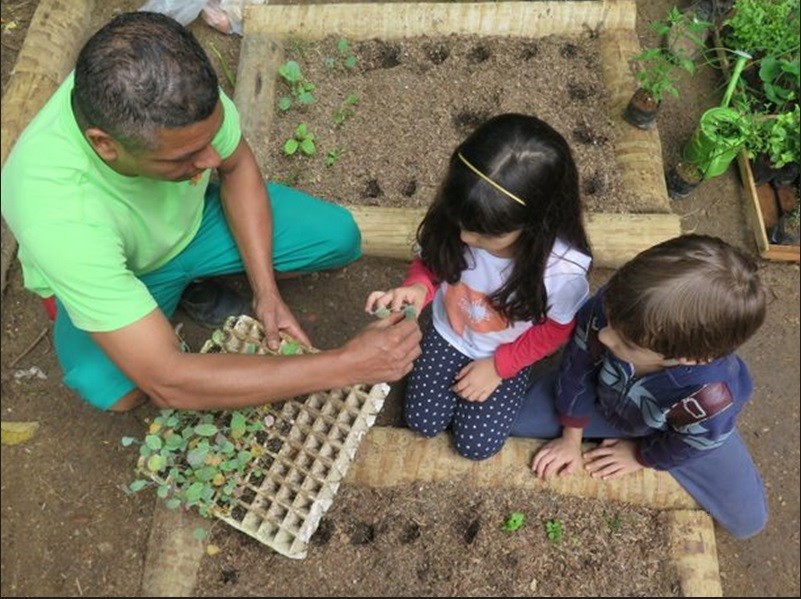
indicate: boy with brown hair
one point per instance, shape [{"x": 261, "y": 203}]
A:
[{"x": 651, "y": 372}]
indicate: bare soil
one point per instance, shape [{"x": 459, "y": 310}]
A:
[{"x": 69, "y": 530}]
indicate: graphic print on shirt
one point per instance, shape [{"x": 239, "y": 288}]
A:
[{"x": 467, "y": 307}]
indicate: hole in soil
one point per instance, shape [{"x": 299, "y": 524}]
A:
[
  {"x": 472, "y": 530},
  {"x": 478, "y": 54},
  {"x": 238, "y": 513},
  {"x": 530, "y": 51},
  {"x": 373, "y": 189},
  {"x": 229, "y": 576},
  {"x": 437, "y": 53},
  {"x": 594, "y": 183},
  {"x": 410, "y": 188},
  {"x": 569, "y": 50},
  {"x": 577, "y": 91},
  {"x": 361, "y": 533},
  {"x": 467, "y": 120},
  {"x": 389, "y": 55},
  {"x": 411, "y": 533},
  {"x": 323, "y": 533}
]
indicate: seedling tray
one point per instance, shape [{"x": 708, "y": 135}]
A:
[{"x": 270, "y": 471}]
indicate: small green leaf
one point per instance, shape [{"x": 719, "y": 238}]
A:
[
  {"x": 514, "y": 522},
  {"x": 153, "y": 442},
  {"x": 291, "y": 146},
  {"x": 284, "y": 103},
  {"x": 206, "y": 430},
  {"x": 128, "y": 441},
  {"x": 156, "y": 463},
  {"x": 137, "y": 485}
]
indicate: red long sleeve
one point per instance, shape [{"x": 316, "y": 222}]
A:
[
  {"x": 419, "y": 273},
  {"x": 539, "y": 341}
]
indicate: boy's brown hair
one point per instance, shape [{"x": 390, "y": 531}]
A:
[{"x": 693, "y": 297}]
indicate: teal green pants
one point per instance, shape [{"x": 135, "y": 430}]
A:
[{"x": 308, "y": 235}]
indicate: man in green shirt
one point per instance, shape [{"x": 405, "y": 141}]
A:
[{"x": 108, "y": 193}]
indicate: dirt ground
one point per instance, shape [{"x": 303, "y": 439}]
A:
[{"x": 69, "y": 530}]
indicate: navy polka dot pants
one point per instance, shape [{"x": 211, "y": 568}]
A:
[{"x": 479, "y": 428}]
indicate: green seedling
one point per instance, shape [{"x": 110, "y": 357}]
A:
[
  {"x": 300, "y": 89},
  {"x": 555, "y": 531},
  {"x": 343, "y": 47},
  {"x": 199, "y": 459},
  {"x": 408, "y": 310},
  {"x": 303, "y": 140},
  {"x": 346, "y": 110},
  {"x": 333, "y": 156},
  {"x": 514, "y": 522}
]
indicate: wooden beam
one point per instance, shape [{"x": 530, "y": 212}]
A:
[
  {"x": 615, "y": 238},
  {"x": 48, "y": 54}
]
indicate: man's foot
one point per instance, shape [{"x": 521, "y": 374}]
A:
[{"x": 209, "y": 303}]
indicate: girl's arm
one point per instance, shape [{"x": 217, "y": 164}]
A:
[
  {"x": 419, "y": 273},
  {"x": 535, "y": 344}
]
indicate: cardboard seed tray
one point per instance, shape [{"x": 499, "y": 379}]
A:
[{"x": 307, "y": 451}]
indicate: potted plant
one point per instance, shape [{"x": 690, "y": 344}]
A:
[
  {"x": 658, "y": 69},
  {"x": 721, "y": 132},
  {"x": 769, "y": 31}
]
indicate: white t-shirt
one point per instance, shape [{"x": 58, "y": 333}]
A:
[{"x": 463, "y": 315}]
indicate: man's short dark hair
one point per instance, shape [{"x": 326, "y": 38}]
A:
[{"x": 140, "y": 72}]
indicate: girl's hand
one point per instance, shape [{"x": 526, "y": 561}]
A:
[
  {"x": 559, "y": 457},
  {"x": 613, "y": 458},
  {"x": 477, "y": 380},
  {"x": 396, "y": 299}
]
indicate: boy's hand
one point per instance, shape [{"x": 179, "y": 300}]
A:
[
  {"x": 613, "y": 458},
  {"x": 477, "y": 380},
  {"x": 559, "y": 457},
  {"x": 396, "y": 299}
]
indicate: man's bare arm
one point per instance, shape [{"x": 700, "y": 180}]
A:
[{"x": 149, "y": 353}]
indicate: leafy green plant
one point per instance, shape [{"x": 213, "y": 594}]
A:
[
  {"x": 778, "y": 137},
  {"x": 658, "y": 69},
  {"x": 302, "y": 141},
  {"x": 346, "y": 109},
  {"x": 759, "y": 27},
  {"x": 349, "y": 60},
  {"x": 199, "y": 459},
  {"x": 300, "y": 89},
  {"x": 554, "y": 529},
  {"x": 514, "y": 522}
]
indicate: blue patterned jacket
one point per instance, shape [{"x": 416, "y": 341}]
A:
[{"x": 677, "y": 413}]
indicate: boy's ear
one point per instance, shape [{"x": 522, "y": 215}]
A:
[{"x": 105, "y": 145}]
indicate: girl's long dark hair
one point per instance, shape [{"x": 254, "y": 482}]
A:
[{"x": 531, "y": 160}]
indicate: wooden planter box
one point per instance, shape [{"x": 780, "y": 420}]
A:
[
  {"x": 763, "y": 211},
  {"x": 761, "y": 206}
]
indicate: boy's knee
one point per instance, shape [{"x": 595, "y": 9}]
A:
[{"x": 102, "y": 392}]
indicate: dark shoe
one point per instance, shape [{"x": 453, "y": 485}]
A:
[{"x": 209, "y": 303}]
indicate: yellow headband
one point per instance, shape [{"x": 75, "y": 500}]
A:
[{"x": 504, "y": 191}]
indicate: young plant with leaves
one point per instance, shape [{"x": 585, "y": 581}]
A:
[
  {"x": 300, "y": 89},
  {"x": 302, "y": 141}
]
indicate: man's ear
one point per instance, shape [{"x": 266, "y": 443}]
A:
[{"x": 105, "y": 145}]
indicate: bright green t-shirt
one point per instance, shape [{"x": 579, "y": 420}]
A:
[{"x": 85, "y": 232}]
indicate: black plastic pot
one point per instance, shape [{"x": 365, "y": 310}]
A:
[
  {"x": 642, "y": 110},
  {"x": 682, "y": 179}
]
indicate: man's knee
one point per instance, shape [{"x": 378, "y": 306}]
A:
[{"x": 346, "y": 238}]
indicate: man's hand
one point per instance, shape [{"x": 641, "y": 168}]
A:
[
  {"x": 477, "y": 380},
  {"x": 559, "y": 457},
  {"x": 385, "y": 350},
  {"x": 274, "y": 314},
  {"x": 613, "y": 458}
]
